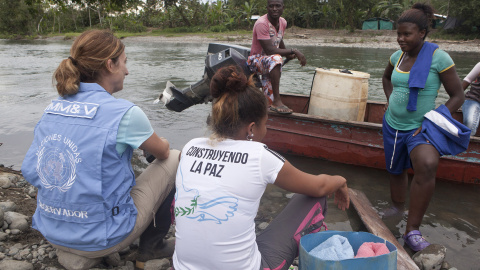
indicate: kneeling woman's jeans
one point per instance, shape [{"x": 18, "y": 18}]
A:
[{"x": 471, "y": 114}]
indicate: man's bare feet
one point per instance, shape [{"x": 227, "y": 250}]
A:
[{"x": 282, "y": 109}]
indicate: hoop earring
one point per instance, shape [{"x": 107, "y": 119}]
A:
[{"x": 249, "y": 137}]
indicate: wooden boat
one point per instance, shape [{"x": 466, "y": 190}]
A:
[
  {"x": 353, "y": 142},
  {"x": 375, "y": 226}
]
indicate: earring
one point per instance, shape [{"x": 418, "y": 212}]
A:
[{"x": 249, "y": 137}]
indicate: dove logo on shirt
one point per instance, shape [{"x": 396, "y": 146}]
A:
[{"x": 217, "y": 210}]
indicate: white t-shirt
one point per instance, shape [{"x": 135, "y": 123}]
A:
[
  {"x": 219, "y": 189},
  {"x": 474, "y": 73}
]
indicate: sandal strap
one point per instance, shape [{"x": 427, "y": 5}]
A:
[{"x": 412, "y": 233}]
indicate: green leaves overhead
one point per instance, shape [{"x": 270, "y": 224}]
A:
[{"x": 37, "y": 17}]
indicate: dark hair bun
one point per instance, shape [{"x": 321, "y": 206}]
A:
[
  {"x": 426, "y": 9},
  {"x": 228, "y": 80}
]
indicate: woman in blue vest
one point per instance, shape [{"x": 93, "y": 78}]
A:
[
  {"x": 89, "y": 202},
  {"x": 411, "y": 82}
]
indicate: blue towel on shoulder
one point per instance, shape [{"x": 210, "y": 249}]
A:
[
  {"x": 446, "y": 134},
  {"x": 334, "y": 248},
  {"x": 419, "y": 73}
]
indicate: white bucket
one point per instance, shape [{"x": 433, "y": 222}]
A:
[{"x": 339, "y": 95}]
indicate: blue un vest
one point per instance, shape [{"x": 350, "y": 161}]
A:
[{"x": 83, "y": 184}]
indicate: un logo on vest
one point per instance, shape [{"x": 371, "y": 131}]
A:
[{"x": 56, "y": 168}]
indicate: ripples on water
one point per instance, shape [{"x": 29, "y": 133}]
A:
[{"x": 26, "y": 69}]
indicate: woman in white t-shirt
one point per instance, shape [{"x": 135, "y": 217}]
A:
[{"x": 221, "y": 179}]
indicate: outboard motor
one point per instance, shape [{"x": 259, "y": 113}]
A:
[{"x": 218, "y": 56}]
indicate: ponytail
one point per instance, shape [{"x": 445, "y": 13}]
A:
[
  {"x": 67, "y": 77},
  {"x": 88, "y": 57}
]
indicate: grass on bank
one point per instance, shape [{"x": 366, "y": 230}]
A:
[
  {"x": 219, "y": 32},
  {"x": 222, "y": 33},
  {"x": 449, "y": 35}
]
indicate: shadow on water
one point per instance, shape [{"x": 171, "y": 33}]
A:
[{"x": 452, "y": 219}]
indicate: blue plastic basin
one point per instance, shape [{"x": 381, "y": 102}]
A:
[{"x": 356, "y": 239}]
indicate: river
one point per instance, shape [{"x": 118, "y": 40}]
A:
[{"x": 26, "y": 68}]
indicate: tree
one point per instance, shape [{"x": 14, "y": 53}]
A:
[
  {"x": 466, "y": 10},
  {"x": 16, "y": 17},
  {"x": 389, "y": 9},
  {"x": 248, "y": 11}
]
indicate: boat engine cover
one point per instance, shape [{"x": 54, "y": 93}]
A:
[{"x": 180, "y": 99}]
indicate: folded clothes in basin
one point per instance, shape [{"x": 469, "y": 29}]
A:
[
  {"x": 370, "y": 249},
  {"x": 334, "y": 248}
]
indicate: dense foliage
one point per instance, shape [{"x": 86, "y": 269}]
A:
[
  {"x": 40, "y": 17},
  {"x": 468, "y": 12}
]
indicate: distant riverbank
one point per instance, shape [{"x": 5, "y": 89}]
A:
[{"x": 295, "y": 36}]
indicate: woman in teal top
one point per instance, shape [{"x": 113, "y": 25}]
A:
[
  {"x": 405, "y": 147},
  {"x": 397, "y": 115}
]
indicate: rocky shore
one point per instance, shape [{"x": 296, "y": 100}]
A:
[{"x": 23, "y": 248}]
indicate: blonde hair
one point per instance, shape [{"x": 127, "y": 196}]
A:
[{"x": 88, "y": 56}]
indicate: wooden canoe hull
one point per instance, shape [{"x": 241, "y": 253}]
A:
[
  {"x": 352, "y": 142},
  {"x": 375, "y": 225}
]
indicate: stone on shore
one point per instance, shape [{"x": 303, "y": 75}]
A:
[
  {"x": 157, "y": 264},
  {"x": 3, "y": 236},
  {"x": 431, "y": 258},
  {"x": 128, "y": 266},
  {"x": 31, "y": 191},
  {"x": 16, "y": 221},
  {"x": 8, "y": 206},
  {"x": 8, "y": 179},
  {"x": 15, "y": 265},
  {"x": 75, "y": 262},
  {"x": 114, "y": 260}
]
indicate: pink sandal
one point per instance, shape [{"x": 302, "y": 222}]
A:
[{"x": 415, "y": 240}]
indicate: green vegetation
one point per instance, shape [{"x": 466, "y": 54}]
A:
[
  {"x": 453, "y": 35},
  {"x": 32, "y": 18}
]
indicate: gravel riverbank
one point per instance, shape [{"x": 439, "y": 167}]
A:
[
  {"x": 23, "y": 248},
  {"x": 318, "y": 37}
]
